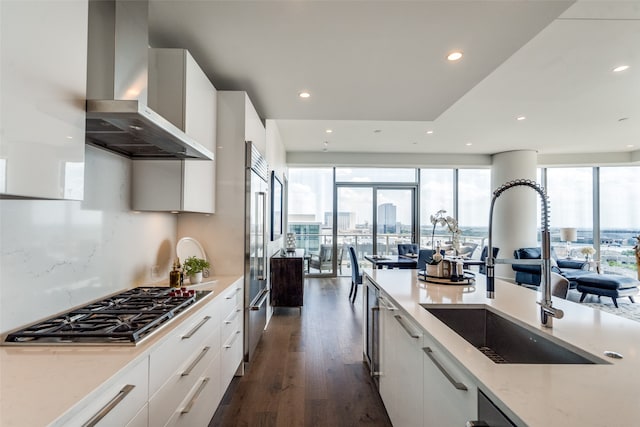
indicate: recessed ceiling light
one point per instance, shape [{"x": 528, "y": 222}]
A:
[
  {"x": 521, "y": 118},
  {"x": 622, "y": 119},
  {"x": 620, "y": 68},
  {"x": 469, "y": 144},
  {"x": 377, "y": 130},
  {"x": 326, "y": 143},
  {"x": 630, "y": 146},
  {"x": 454, "y": 56},
  {"x": 69, "y": 137},
  {"x": 329, "y": 131},
  {"x": 324, "y": 149},
  {"x": 414, "y": 143},
  {"x": 304, "y": 94},
  {"x": 429, "y": 132}
]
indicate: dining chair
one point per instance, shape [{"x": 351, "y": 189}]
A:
[
  {"x": 559, "y": 285},
  {"x": 408, "y": 248},
  {"x": 424, "y": 256},
  {"x": 356, "y": 276}
]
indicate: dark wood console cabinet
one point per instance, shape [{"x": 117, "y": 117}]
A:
[{"x": 287, "y": 279}]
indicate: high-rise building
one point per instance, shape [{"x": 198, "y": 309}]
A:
[{"x": 387, "y": 218}]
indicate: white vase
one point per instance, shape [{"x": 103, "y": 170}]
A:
[{"x": 195, "y": 278}]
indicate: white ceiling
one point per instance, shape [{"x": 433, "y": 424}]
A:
[{"x": 380, "y": 65}]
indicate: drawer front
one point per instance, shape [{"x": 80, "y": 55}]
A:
[
  {"x": 121, "y": 401},
  {"x": 231, "y": 323},
  {"x": 231, "y": 298},
  {"x": 168, "y": 397},
  {"x": 182, "y": 344},
  {"x": 230, "y": 357},
  {"x": 200, "y": 403}
]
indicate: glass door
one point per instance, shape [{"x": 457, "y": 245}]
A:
[
  {"x": 373, "y": 219},
  {"x": 395, "y": 219},
  {"x": 354, "y": 224}
]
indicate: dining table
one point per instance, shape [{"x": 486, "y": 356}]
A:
[{"x": 392, "y": 261}]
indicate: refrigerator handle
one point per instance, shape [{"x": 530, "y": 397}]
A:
[{"x": 263, "y": 275}]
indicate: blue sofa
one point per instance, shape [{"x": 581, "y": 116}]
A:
[{"x": 530, "y": 274}]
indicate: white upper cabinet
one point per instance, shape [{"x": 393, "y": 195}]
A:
[
  {"x": 180, "y": 92},
  {"x": 43, "y": 79}
]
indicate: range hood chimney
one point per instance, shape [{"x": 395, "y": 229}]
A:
[{"x": 118, "y": 118}]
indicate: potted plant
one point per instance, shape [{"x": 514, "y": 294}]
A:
[{"x": 193, "y": 267}]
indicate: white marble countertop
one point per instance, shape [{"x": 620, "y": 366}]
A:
[
  {"x": 40, "y": 383},
  {"x": 536, "y": 395}
]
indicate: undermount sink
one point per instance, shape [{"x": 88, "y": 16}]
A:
[{"x": 505, "y": 341}]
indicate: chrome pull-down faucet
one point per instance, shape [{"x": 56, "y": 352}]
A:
[{"x": 547, "y": 311}]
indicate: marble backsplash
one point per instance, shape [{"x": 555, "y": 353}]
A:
[{"x": 55, "y": 255}]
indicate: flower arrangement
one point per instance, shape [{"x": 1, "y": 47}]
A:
[
  {"x": 452, "y": 225},
  {"x": 587, "y": 251}
]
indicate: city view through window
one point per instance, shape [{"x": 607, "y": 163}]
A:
[{"x": 376, "y": 209}]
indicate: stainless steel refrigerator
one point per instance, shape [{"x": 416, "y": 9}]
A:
[{"x": 255, "y": 272}]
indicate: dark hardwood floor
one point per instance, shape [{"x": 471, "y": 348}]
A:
[{"x": 308, "y": 368}]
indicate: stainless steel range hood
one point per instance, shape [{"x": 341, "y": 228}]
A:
[{"x": 118, "y": 117}]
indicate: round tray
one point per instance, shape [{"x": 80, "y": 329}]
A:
[
  {"x": 468, "y": 279},
  {"x": 187, "y": 247}
]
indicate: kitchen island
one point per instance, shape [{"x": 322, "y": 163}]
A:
[
  {"x": 59, "y": 385},
  {"x": 604, "y": 394}
]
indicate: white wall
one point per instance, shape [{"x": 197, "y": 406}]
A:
[
  {"x": 276, "y": 158},
  {"x": 55, "y": 255}
]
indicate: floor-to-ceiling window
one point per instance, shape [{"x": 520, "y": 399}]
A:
[
  {"x": 464, "y": 194},
  {"x": 570, "y": 192},
  {"x": 603, "y": 205},
  {"x": 310, "y": 216},
  {"x": 619, "y": 219},
  {"x": 436, "y": 194},
  {"x": 474, "y": 200},
  {"x": 373, "y": 205},
  {"x": 375, "y": 208}
]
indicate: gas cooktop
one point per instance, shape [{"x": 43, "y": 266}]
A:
[{"x": 125, "y": 318}]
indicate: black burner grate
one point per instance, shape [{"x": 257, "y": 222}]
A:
[{"x": 124, "y": 318}]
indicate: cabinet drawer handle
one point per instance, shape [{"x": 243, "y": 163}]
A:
[
  {"x": 455, "y": 383},
  {"x": 195, "y": 328},
  {"x": 187, "y": 408},
  {"x": 195, "y": 362},
  {"x": 386, "y": 304},
  {"x": 411, "y": 333},
  {"x": 233, "y": 294},
  {"x": 233, "y": 338},
  {"x": 263, "y": 297},
  {"x": 109, "y": 406},
  {"x": 232, "y": 317}
]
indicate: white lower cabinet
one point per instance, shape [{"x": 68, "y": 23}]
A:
[
  {"x": 199, "y": 403},
  {"x": 420, "y": 384},
  {"x": 231, "y": 336},
  {"x": 192, "y": 369},
  {"x": 184, "y": 377},
  {"x": 121, "y": 402},
  {"x": 400, "y": 366},
  {"x": 179, "y": 382},
  {"x": 450, "y": 395}
]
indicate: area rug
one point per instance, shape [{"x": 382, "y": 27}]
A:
[{"x": 627, "y": 308}]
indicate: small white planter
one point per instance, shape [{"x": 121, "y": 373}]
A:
[{"x": 195, "y": 278}]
